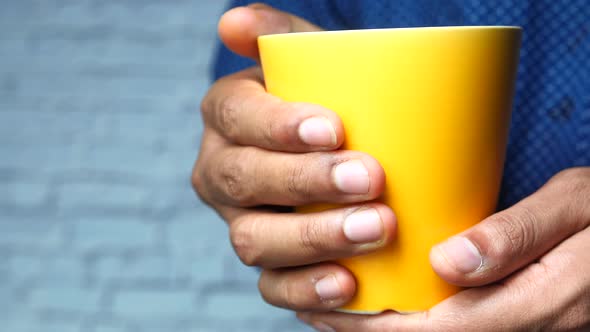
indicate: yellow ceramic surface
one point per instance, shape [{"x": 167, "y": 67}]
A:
[{"x": 433, "y": 106}]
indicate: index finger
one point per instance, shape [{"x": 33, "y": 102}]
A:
[{"x": 239, "y": 109}]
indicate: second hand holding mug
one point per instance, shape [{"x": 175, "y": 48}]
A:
[{"x": 432, "y": 105}]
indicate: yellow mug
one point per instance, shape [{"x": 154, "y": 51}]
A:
[{"x": 432, "y": 105}]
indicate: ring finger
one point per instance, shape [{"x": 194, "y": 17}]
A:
[{"x": 273, "y": 240}]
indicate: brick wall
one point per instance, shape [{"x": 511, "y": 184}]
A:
[{"x": 99, "y": 228}]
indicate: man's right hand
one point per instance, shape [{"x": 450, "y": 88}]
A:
[{"x": 259, "y": 151}]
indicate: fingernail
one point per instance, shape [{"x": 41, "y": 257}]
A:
[
  {"x": 352, "y": 177},
  {"x": 363, "y": 226},
  {"x": 323, "y": 327},
  {"x": 328, "y": 288},
  {"x": 461, "y": 253},
  {"x": 317, "y": 131}
]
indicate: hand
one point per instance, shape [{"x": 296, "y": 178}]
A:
[
  {"x": 533, "y": 258},
  {"x": 259, "y": 152}
]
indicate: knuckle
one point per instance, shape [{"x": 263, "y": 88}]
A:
[
  {"x": 516, "y": 231},
  {"x": 226, "y": 116},
  {"x": 574, "y": 181},
  {"x": 242, "y": 237},
  {"x": 280, "y": 130},
  {"x": 233, "y": 182},
  {"x": 576, "y": 185},
  {"x": 298, "y": 183},
  {"x": 274, "y": 134},
  {"x": 270, "y": 134},
  {"x": 311, "y": 236},
  {"x": 289, "y": 294},
  {"x": 277, "y": 121}
]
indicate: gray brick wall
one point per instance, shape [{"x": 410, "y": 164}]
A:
[{"x": 99, "y": 228}]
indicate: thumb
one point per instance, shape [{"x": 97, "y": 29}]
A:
[
  {"x": 240, "y": 27},
  {"x": 516, "y": 237}
]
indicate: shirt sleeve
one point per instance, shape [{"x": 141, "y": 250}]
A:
[{"x": 324, "y": 13}]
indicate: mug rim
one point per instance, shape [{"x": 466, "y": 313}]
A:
[{"x": 381, "y": 30}]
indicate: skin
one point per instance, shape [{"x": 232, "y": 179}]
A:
[{"x": 532, "y": 271}]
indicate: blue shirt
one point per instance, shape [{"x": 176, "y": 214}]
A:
[{"x": 550, "y": 128}]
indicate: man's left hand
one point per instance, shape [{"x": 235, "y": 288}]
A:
[{"x": 529, "y": 266}]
